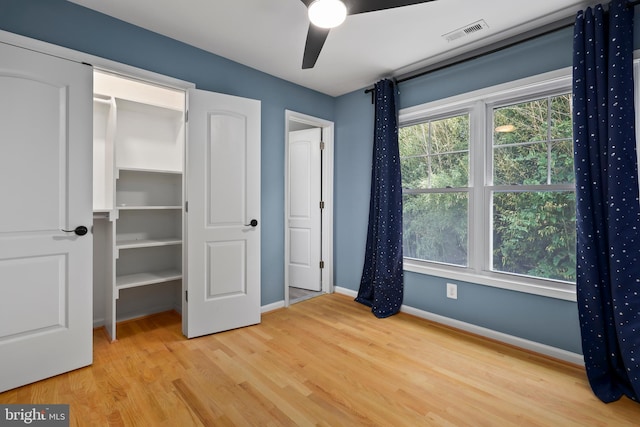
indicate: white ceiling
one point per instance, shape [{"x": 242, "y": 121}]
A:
[{"x": 269, "y": 35}]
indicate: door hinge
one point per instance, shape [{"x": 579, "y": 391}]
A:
[
  {"x": 186, "y": 206},
  {"x": 321, "y": 264},
  {"x": 321, "y": 205},
  {"x": 186, "y": 116},
  {"x": 186, "y": 296},
  {"x": 321, "y": 145}
]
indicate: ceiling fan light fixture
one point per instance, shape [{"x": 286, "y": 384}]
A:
[{"x": 327, "y": 13}]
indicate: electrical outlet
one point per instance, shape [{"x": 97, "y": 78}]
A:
[{"x": 452, "y": 291}]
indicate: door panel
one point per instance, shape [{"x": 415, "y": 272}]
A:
[
  {"x": 36, "y": 289},
  {"x": 30, "y": 100},
  {"x": 226, "y": 169},
  {"x": 223, "y": 192},
  {"x": 45, "y": 168},
  {"x": 226, "y": 269},
  {"x": 304, "y": 214}
]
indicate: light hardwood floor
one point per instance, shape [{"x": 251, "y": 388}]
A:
[{"x": 326, "y": 361}]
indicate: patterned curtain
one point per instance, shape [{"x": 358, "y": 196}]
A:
[
  {"x": 607, "y": 205},
  {"x": 382, "y": 284}
]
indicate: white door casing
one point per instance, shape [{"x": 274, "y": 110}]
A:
[
  {"x": 304, "y": 219},
  {"x": 223, "y": 196},
  {"x": 45, "y": 170}
]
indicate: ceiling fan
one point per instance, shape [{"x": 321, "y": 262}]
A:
[{"x": 327, "y": 14}]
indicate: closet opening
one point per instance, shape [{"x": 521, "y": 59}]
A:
[{"x": 138, "y": 199}]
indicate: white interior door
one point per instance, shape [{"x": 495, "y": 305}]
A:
[
  {"x": 304, "y": 216},
  {"x": 223, "y": 216},
  {"x": 45, "y": 171}
]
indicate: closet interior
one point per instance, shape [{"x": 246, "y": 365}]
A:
[{"x": 138, "y": 198}]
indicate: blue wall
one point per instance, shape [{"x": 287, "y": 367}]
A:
[
  {"x": 540, "y": 319},
  {"x": 72, "y": 26},
  {"x": 545, "y": 320}
]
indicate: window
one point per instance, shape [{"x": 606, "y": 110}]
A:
[
  {"x": 435, "y": 180},
  {"x": 488, "y": 187},
  {"x": 532, "y": 197}
]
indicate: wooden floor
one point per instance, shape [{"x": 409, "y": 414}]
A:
[{"x": 326, "y": 361}]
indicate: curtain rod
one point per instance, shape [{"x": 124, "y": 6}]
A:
[
  {"x": 495, "y": 47},
  {"x": 492, "y": 48}
]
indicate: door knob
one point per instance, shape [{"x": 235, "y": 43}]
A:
[
  {"x": 80, "y": 230},
  {"x": 253, "y": 223}
]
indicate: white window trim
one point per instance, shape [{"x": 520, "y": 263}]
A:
[{"x": 478, "y": 103}]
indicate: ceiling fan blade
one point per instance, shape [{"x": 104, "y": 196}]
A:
[
  {"x": 317, "y": 36},
  {"x": 315, "y": 40},
  {"x": 363, "y": 6}
]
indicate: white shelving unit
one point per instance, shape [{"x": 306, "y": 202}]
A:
[{"x": 138, "y": 183}]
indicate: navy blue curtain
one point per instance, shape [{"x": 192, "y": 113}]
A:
[
  {"x": 382, "y": 285},
  {"x": 607, "y": 206}
]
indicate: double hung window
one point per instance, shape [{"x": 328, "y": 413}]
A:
[{"x": 488, "y": 187}]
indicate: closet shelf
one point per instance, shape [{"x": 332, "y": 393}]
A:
[
  {"x": 146, "y": 170},
  {"x": 147, "y": 278},
  {"x": 150, "y": 107},
  {"x": 147, "y": 243},
  {"x": 140, "y": 208}
]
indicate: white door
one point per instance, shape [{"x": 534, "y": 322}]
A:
[
  {"x": 45, "y": 175},
  {"x": 304, "y": 176},
  {"x": 223, "y": 215}
]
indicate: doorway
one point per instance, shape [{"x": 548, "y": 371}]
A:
[{"x": 308, "y": 207}]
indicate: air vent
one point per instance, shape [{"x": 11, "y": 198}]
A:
[{"x": 466, "y": 30}]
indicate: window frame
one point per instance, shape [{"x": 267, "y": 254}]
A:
[{"x": 479, "y": 105}]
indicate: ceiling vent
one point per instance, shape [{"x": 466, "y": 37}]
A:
[{"x": 466, "y": 30}]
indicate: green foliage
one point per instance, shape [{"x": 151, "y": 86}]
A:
[
  {"x": 436, "y": 156},
  {"x": 435, "y": 227},
  {"x": 534, "y": 234},
  {"x": 533, "y": 231}
]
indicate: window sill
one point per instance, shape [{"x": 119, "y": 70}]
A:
[{"x": 556, "y": 290}]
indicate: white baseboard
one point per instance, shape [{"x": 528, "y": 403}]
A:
[
  {"x": 536, "y": 347},
  {"x": 345, "y": 291},
  {"x": 273, "y": 306}
]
